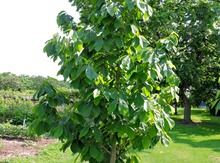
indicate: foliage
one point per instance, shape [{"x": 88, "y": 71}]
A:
[
  {"x": 15, "y": 107},
  {"x": 215, "y": 108},
  {"x": 12, "y": 131},
  {"x": 118, "y": 75},
  {"x": 197, "y": 56},
  {"x": 9, "y": 81}
]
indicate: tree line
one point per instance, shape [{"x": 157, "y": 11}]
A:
[{"x": 10, "y": 81}]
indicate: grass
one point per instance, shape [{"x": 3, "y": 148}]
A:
[{"x": 197, "y": 143}]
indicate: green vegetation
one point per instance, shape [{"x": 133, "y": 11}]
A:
[
  {"x": 190, "y": 143},
  {"x": 125, "y": 83},
  {"x": 10, "y": 81},
  {"x": 16, "y": 131}
]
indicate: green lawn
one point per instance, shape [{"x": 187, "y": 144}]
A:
[{"x": 198, "y": 143}]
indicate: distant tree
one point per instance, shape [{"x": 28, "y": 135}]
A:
[
  {"x": 197, "y": 23},
  {"x": 9, "y": 81},
  {"x": 118, "y": 75}
]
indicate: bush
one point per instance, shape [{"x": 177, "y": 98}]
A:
[
  {"x": 15, "y": 111},
  {"x": 12, "y": 131}
]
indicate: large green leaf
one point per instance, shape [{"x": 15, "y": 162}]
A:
[
  {"x": 122, "y": 107},
  {"x": 97, "y": 134},
  {"x": 58, "y": 131},
  {"x": 93, "y": 151},
  {"x": 112, "y": 106},
  {"x": 146, "y": 142},
  {"x": 90, "y": 73},
  {"x": 98, "y": 44},
  {"x": 112, "y": 8},
  {"x": 83, "y": 132},
  {"x": 127, "y": 63}
]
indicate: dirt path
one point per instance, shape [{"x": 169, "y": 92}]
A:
[{"x": 19, "y": 147}]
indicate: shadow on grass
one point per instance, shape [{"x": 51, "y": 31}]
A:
[{"x": 203, "y": 135}]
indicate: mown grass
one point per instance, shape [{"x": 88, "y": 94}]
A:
[{"x": 197, "y": 143}]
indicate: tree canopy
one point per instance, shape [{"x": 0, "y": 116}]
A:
[
  {"x": 196, "y": 58},
  {"x": 118, "y": 73}
]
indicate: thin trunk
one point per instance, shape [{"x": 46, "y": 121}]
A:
[
  {"x": 175, "y": 109},
  {"x": 187, "y": 109},
  {"x": 113, "y": 153}
]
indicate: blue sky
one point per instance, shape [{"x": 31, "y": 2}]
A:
[{"x": 25, "y": 27}]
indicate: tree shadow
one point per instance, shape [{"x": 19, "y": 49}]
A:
[{"x": 206, "y": 133}]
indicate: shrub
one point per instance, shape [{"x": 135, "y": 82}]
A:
[{"x": 12, "y": 131}]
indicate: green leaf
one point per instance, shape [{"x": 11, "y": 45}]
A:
[
  {"x": 41, "y": 110},
  {"x": 134, "y": 29},
  {"x": 118, "y": 42},
  {"x": 98, "y": 44},
  {"x": 149, "y": 10},
  {"x": 100, "y": 156},
  {"x": 96, "y": 101},
  {"x": 112, "y": 9},
  {"x": 130, "y": 132},
  {"x": 138, "y": 100},
  {"x": 106, "y": 46},
  {"x": 83, "y": 132},
  {"x": 40, "y": 129},
  {"x": 142, "y": 6},
  {"x": 85, "y": 109},
  {"x": 146, "y": 142},
  {"x": 127, "y": 63},
  {"x": 90, "y": 73},
  {"x": 85, "y": 150},
  {"x": 130, "y": 4},
  {"x": 78, "y": 46},
  {"x": 112, "y": 106},
  {"x": 123, "y": 107},
  {"x": 147, "y": 55},
  {"x": 96, "y": 110},
  {"x": 97, "y": 134},
  {"x": 142, "y": 41},
  {"x": 93, "y": 151},
  {"x": 117, "y": 24},
  {"x": 152, "y": 131},
  {"x": 58, "y": 131},
  {"x": 74, "y": 146}
]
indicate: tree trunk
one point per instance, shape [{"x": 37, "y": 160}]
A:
[
  {"x": 113, "y": 154},
  {"x": 187, "y": 109},
  {"x": 175, "y": 110}
]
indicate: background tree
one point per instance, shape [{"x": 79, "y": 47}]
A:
[
  {"x": 118, "y": 74},
  {"x": 10, "y": 81},
  {"x": 197, "y": 56}
]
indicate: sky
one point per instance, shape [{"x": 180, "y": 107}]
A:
[{"x": 25, "y": 26}]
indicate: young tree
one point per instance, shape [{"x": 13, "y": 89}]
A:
[{"x": 118, "y": 73}]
